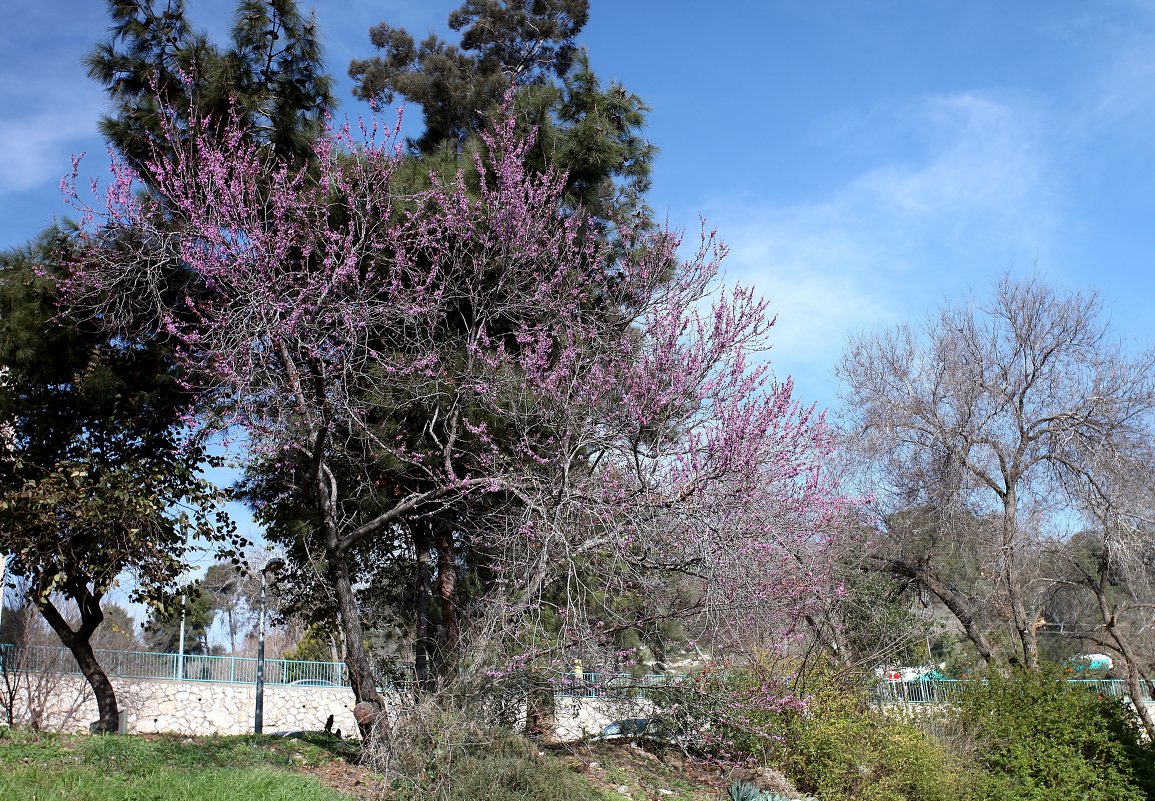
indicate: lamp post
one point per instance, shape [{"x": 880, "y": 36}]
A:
[
  {"x": 3, "y": 578},
  {"x": 271, "y": 566},
  {"x": 180, "y": 645}
]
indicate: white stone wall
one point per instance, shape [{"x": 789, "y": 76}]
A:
[
  {"x": 200, "y": 708},
  {"x": 577, "y": 718},
  {"x": 203, "y": 708}
]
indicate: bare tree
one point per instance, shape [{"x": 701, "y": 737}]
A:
[
  {"x": 986, "y": 418},
  {"x": 1111, "y": 564}
]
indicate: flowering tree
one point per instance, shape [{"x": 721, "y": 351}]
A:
[{"x": 474, "y": 348}]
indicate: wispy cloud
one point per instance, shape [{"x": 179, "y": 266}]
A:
[
  {"x": 981, "y": 198},
  {"x": 50, "y": 108},
  {"x": 35, "y": 149}
]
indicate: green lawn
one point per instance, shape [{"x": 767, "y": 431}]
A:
[{"x": 68, "y": 768}]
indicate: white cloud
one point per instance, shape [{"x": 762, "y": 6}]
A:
[
  {"x": 35, "y": 149},
  {"x": 892, "y": 240}
]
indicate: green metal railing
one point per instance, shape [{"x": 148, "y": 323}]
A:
[
  {"x": 588, "y": 684},
  {"x": 600, "y": 685},
  {"x": 150, "y": 665},
  {"x": 945, "y": 691},
  {"x": 243, "y": 670}
]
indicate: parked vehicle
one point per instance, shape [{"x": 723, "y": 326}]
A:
[
  {"x": 1084, "y": 663},
  {"x": 312, "y": 683}
]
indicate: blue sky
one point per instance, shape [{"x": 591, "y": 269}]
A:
[{"x": 865, "y": 160}]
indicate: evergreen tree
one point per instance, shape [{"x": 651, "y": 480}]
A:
[
  {"x": 591, "y": 132},
  {"x": 270, "y": 75},
  {"x": 193, "y": 607}
]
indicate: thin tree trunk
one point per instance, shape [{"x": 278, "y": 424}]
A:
[
  {"x": 360, "y": 670},
  {"x": 1135, "y": 679},
  {"x": 79, "y": 643},
  {"x": 952, "y": 600},
  {"x": 370, "y": 711},
  {"x": 1023, "y": 620}
]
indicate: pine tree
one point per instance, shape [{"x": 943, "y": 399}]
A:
[
  {"x": 591, "y": 132},
  {"x": 270, "y": 75}
]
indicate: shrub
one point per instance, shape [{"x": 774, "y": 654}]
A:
[
  {"x": 827, "y": 740},
  {"x": 438, "y": 753},
  {"x": 1036, "y": 737},
  {"x": 841, "y": 749}
]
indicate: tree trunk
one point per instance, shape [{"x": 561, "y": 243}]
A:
[
  {"x": 423, "y": 543},
  {"x": 1135, "y": 685},
  {"x": 1022, "y": 619},
  {"x": 360, "y": 670},
  {"x": 370, "y": 708},
  {"x": 1029, "y": 635},
  {"x": 1135, "y": 679},
  {"x": 447, "y": 590},
  {"x": 79, "y": 643},
  {"x": 540, "y": 715},
  {"x": 952, "y": 600}
]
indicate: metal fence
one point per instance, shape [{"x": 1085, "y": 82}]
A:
[
  {"x": 243, "y": 670},
  {"x": 602, "y": 685},
  {"x": 945, "y": 691},
  {"x": 149, "y": 665}
]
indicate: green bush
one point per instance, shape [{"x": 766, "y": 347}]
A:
[
  {"x": 1036, "y": 737},
  {"x": 840, "y": 749},
  {"x": 835, "y": 746}
]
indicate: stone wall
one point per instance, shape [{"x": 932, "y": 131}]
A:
[
  {"x": 577, "y": 718},
  {"x": 203, "y": 708},
  {"x": 198, "y": 708}
]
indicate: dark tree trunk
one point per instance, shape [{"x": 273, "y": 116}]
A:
[
  {"x": 361, "y": 675},
  {"x": 447, "y": 590},
  {"x": 540, "y": 715},
  {"x": 422, "y": 644},
  {"x": 370, "y": 708},
  {"x": 79, "y": 643}
]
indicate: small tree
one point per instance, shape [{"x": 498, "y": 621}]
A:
[
  {"x": 191, "y": 610},
  {"x": 97, "y": 478},
  {"x": 36, "y": 689}
]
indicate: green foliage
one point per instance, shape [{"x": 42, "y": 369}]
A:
[
  {"x": 1036, "y": 737},
  {"x": 877, "y": 622},
  {"x": 591, "y": 132},
  {"x": 162, "y": 630},
  {"x": 270, "y": 74},
  {"x": 839, "y": 748},
  {"x": 96, "y": 477},
  {"x": 828, "y": 741}
]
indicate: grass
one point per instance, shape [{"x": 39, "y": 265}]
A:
[{"x": 42, "y": 767}]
